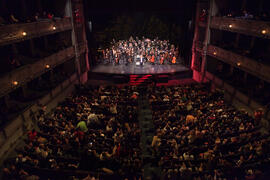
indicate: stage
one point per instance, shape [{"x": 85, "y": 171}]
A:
[
  {"x": 133, "y": 75},
  {"x": 139, "y": 70}
]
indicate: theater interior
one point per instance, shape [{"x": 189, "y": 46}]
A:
[{"x": 132, "y": 90}]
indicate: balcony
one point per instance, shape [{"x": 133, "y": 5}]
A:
[
  {"x": 13, "y": 130},
  {"x": 249, "y": 65},
  {"x": 248, "y": 27},
  {"x": 28, "y": 72},
  {"x": 238, "y": 98},
  {"x": 20, "y": 32}
]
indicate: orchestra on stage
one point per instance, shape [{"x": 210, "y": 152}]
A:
[{"x": 141, "y": 51}]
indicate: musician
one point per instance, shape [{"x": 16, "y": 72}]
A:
[
  {"x": 116, "y": 59},
  {"x": 153, "y": 60},
  {"x": 161, "y": 59},
  {"x": 154, "y": 51},
  {"x": 141, "y": 60}
]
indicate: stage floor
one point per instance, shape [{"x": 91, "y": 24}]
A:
[{"x": 133, "y": 69}]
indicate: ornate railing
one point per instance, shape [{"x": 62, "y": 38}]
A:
[
  {"x": 243, "y": 26},
  {"x": 28, "y": 72},
  {"x": 249, "y": 65},
  {"x": 19, "y": 32}
]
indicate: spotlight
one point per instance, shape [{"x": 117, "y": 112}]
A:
[
  {"x": 15, "y": 83},
  {"x": 264, "y": 31},
  {"x": 238, "y": 64},
  {"x": 54, "y": 28},
  {"x": 47, "y": 66},
  {"x": 230, "y": 26},
  {"x": 24, "y": 33},
  {"x": 215, "y": 53}
]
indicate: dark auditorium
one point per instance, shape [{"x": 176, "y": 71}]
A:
[{"x": 134, "y": 90}]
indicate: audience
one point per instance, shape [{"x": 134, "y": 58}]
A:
[
  {"x": 94, "y": 134},
  {"x": 94, "y": 130},
  {"x": 198, "y": 136},
  {"x": 244, "y": 14}
]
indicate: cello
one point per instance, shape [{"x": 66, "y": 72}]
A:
[
  {"x": 153, "y": 59},
  {"x": 174, "y": 60}
]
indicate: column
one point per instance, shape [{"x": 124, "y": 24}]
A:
[
  {"x": 69, "y": 13},
  {"x": 207, "y": 37},
  {"x": 195, "y": 38}
]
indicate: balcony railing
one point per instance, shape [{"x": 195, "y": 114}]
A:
[
  {"x": 249, "y": 65},
  {"x": 28, "y": 72},
  {"x": 243, "y": 26},
  {"x": 237, "y": 98},
  {"x": 20, "y": 32},
  {"x": 13, "y": 130}
]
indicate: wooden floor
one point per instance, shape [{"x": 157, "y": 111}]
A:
[{"x": 135, "y": 69}]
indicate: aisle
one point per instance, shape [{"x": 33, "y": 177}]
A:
[{"x": 150, "y": 167}]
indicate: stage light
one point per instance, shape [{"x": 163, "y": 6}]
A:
[
  {"x": 230, "y": 26},
  {"x": 15, "y": 83},
  {"x": 47, "y": 66},
  {"x": 264, "y": 31},
  {"x": 54, "y": 28},
  {"x": 238, "y": 64},
  {"x": 215, "y": 53},
  {"x": 24, "y": 33}
]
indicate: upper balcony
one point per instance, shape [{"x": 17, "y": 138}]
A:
[
  {"x": 249, "y": 65},
  {"x": 249, "y": 27},
  {"x": 20, "y": 32},
  {"x": 28, "y": 72}
]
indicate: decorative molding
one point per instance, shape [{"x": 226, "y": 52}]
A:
[
  {"x": 14, "y": 32},
  {"x": 246, "y": 64},
  {"x": 242, "y": 26},
  {"x": 28, "y": 72}
]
